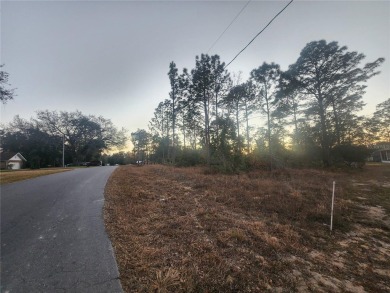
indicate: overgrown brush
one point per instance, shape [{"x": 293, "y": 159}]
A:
[{"x": 181, "y": 230}]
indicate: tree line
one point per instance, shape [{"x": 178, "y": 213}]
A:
[
  {"x": 41, "y": 139},
  {"x": 310, "y": 112},
  {"x": 305, "y": 115},
  {"x": 53, "y": 136}
]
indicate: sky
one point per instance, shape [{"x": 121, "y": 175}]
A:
[{"x": 111, "y": 58}]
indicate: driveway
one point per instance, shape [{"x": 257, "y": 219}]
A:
[{"x": 53, "y": 237}]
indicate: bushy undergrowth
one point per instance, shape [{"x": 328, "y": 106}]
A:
[{"x": 234, "y": 162}]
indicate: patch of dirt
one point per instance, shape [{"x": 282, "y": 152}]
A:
[{"x": 378, "y": 213}]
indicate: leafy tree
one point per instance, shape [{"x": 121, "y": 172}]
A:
[
  {"x": 120, "y": 158},
  {"x": 86, "y": 137},
  {"x": 350, "y": 154},
  {"x": 39, "y": 148},
  {"x": 382, "y": 120},
  {"x": 160, "y": 126},
  {"x": 189, "y": 157},
  {"x": 308, "y": 139},
  {"x": 5, "y": 94},
  {"x": 225, "y": 144},
  {"x": 141, "y": 142},
  {"x": 368, "y": 132},
  {"x": 158, "y": 123},
  {"x": 351, "y": 129},
  {"x": 158, "y": 147},
  {"x": 329, "y": 77}
]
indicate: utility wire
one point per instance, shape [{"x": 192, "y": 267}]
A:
[
  {"x": 259, "y": 33},
  {"x": 234, "y": 19}
]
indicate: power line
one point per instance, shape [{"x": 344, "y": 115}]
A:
[
  {"x": 220, "y": 36},
  {"x": 259, "y": 33}
]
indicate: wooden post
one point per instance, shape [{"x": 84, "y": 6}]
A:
[{"x": 331, "y": 213}]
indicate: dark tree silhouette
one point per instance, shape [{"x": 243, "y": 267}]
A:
[
  {"x": 141, "y": 141},
  {"x": 329, "y": 77},
  {"x": 267, "y": 77},
  {"x": 85, "y": 136},
  {"x": 204, "y": 78},
  {"x": 382, "y": 120},
  {"x": 320, "y": 95},
  {"x": 5, "y": 94},
  {"x": 174, "y": 95}
]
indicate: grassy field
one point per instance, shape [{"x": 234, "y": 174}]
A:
[
  {"x": 10, "y": 176},
  {"x": 179, "y": 230}
]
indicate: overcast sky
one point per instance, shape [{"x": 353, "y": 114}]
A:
[{"x": 111, "y": 58}]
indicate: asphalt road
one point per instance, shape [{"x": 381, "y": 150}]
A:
[{"x": 53, "y": 237}]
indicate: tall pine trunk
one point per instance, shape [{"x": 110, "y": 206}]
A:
[
  {"x": 295, "y": 125},
  {"x": 337, "y": 122},
  {"x": 173, "y": 127},
  {"x": 269, "y": 128},
  {"x": 247, "y": 127},
  {"x": 324, "y": 135},
  {"x": 238, "y": 126},
  {"x": 207, "y": 128}
]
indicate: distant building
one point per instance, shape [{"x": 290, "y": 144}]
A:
[
  {"x": 13, "y": 161},
  {"x": 94, "y": 163},
  {"x": 381, "y": 153}
]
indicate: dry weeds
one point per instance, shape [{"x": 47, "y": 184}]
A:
[
  {"x": 18, "y": 175},
  {"x": 179, "y": 230}
]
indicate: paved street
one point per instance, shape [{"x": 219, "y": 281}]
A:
[{"x": 53, "y": 237}]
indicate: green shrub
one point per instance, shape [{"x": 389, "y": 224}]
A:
[{"x": 352, "y": 155}]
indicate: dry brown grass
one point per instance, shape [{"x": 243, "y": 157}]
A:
[
  {"x": 18, "y": 175},
  {"x": 179, "y": 230}
]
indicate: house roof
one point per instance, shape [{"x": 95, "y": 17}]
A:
[
  {"x": 382, "y": 145},
  {"x": 5, "y": 156}
]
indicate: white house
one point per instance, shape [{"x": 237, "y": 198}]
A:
[
  {"x": 13, "y": 161},
  {"x": 382, "y": 152}
]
